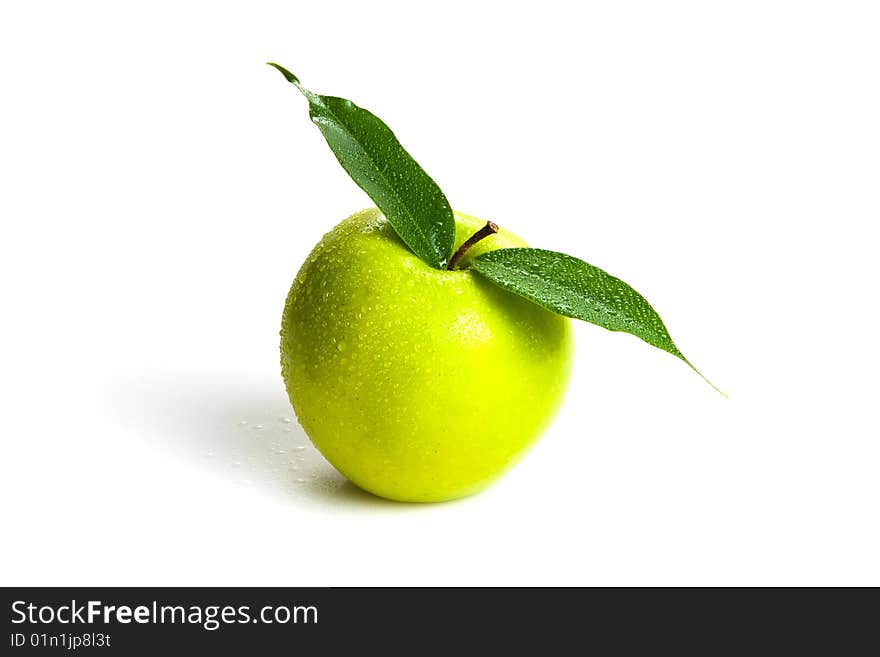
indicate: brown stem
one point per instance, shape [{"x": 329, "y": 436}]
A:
[{"x": 489, "y": 229}]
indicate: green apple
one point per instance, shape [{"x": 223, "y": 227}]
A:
[
  {"x": 418, "y": 384},
  {"x": 423, "y": 350}
]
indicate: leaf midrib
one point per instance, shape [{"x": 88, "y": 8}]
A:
[
  {"x": 532, "y": 276},
  {"x": 388, "y": 184}
]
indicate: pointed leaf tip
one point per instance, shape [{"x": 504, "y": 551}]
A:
[
  {"x": 703, "y": 376},
  {"x": 290, "y": 77}
]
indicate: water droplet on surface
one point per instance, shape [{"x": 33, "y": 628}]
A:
[
  {"x": 286, "y": 420},
  {"x": 299, "y": 448},
  {"x": 242, "y": 423},
  {"x": 301, "y": 480},
  {"x": 258, "y": 426}
]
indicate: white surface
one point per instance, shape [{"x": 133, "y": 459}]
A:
[{"x": 161, "y": 186}]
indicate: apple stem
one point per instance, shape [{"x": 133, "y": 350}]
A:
[{"x": 489, "y": 229}]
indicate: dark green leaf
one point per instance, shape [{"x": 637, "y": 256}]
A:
[
  {"x": 370, "y": 153},
  {"x": 573, "y": 288}
]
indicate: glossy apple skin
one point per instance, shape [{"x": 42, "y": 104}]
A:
[{"x": 417, "y": 384}]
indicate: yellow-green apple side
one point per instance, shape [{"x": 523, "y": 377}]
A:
[{"x": 418, "y": 384}]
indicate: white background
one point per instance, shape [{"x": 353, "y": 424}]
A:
[{"x": 160, "y": 186}]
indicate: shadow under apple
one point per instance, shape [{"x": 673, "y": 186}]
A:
[{"x": 241, "y": 428}]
